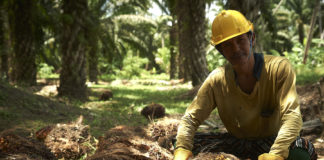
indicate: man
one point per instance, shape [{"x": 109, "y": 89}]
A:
[{"x": 255, "y": 96}]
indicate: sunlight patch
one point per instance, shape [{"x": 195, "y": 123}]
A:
[{"x": 48, "y": 91}]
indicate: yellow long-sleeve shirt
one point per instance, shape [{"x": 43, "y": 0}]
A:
[{"x": 271, "y": 109}]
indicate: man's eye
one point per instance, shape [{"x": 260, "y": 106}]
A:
[
  {"x": 241, "y": 40},
  {"x": 226, "y": 45}
]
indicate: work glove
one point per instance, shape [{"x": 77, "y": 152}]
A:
[
  {"x": 182, "y": 154},
  {"x": 268, "y": 156}
]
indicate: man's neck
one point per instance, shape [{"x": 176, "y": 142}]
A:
[
  {"x": 245, "y": 77},
  {"x": 245, "y": 70}
]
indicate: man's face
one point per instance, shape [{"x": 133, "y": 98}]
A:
[{"x": 236, "y": 50}]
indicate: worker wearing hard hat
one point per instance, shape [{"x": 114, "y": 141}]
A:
[{"x": 255, "y": 96}]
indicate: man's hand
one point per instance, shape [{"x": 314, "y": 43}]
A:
[
  {"x": 268, "y": 156},
  {"x": 182, "y": 154}
]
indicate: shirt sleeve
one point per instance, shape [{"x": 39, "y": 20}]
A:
[
  {"x": 196, "y": 113},
  {"x": 291, "y": 120}
]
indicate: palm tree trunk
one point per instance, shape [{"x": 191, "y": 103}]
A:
[
  {"x": 73, "y": 49},
  {"x": 192, "y": 42},
  {"x": 4, "y": 44},
  {"x": 151, "y": 56},
  {"x": 301, "y": 32},
  {"x": 92, "y": 34},
  {"x": 183, "y": 72},
  {"x": 173, "y": 52},
  {"x": 49, "y": 61},
  {"x": 310, "y": 33},
  {"x": 23, "y": 37},
  {"x": 93, "y": 62},
  {"x": 320, "y": 25},
  {"x": 249, "y": 8}
]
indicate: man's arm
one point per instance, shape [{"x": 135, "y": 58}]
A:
[
  {"x": 291, "y": 120},
  {"x": 196, "y": 113}
]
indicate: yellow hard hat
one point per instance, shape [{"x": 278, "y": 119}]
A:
[{"x": 229, "y": 24}]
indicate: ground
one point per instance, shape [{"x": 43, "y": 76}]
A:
[
  {"x": 312, "y": 108},
  {"x": 29, "y": 115}
]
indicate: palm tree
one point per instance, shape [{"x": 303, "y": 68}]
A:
[
  {"x": 169, "y": 8},
  {"x": 284, "y": 32},
  {"x": 248, "y": 8},
  {"x": 192, "y": 42},
  {"x": 23, "y": 35},
  {"x": 271, "y": 30},
  {"x": 49, "y": 19},
  {"x": 73, "y": 48},
  {"x": 173, "y": 52},
  {"x": 4, "y": 42},
  {"x": 138, "y": 31},
  {"x": 301, "y": 10},
  {"x": 96, "y": 11},
  {"x": 310, "y": 33},
  {"x": 123, "y": 27}
]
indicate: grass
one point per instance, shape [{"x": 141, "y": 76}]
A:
[
  {"x": 128, "y": 100},
  {"x": 25, "y": 111},
  {"x": 306, "y": 75},
  {"x": 21, "y": 109}
]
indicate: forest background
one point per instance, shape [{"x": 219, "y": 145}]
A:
[{"x": 143, "y": 51}]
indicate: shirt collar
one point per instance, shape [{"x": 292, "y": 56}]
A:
[{"x": 258, "y": 64}]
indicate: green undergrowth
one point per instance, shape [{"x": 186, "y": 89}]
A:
[
  {"x": 25, "y": 112},
  {"x": 307, "y": 75},
  {"x": 128, "y": 100}
]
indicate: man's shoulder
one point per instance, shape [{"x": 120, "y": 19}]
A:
[
  {"x": 273, "y": 61},
  {"x": 214, "y": 78},
  {"x": 277, "y": 66},
  {"x": 216, "y": 73}
]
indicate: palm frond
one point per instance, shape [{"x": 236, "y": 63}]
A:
[
  {"x": 134, "y": 20},
  {"x": 135, "y": 42}
]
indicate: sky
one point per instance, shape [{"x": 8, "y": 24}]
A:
[{"x": 210, "y": 12}]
